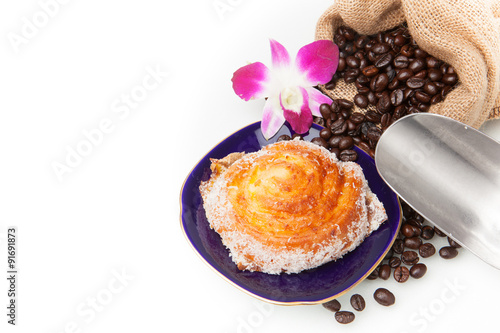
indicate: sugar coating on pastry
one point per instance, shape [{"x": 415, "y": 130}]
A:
[{"x": 289, "y": 207}]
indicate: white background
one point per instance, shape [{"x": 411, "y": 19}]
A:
[{"x": 117, "y": 211}]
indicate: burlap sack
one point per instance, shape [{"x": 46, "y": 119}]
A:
[{"x": 462, "y": 33}]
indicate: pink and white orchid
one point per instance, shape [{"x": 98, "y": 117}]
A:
[{"x": 289, "y": 87}]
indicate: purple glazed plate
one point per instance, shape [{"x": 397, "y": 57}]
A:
[{"x": 312, "y": 286}]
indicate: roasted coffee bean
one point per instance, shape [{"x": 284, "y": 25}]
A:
[
  {"x": 384, "y": 272},
  {"x": 404, "y": 75},
  {"x": 416, "y": 65},
  {"x": 344, "y": 317},
  {"x": 334, "y": 141},
  {"x": 348, "y": 155},
  {"x": 358, "y": 302},
  {"x": 385, "y": 120},
  {"x": 297, "y": 135},
  {"x": 427, "y": 232},
  {"x": 407, "y": 50},
  {"x": 325, "y": 110},
  {"x": 357, "y": 117},
  {"x": 422, "y": 74},
  {"x": 448, "y": 252},
  {"x": 379, "y": 82},
  {"x": 415, "y": 82},
  {"x": 365, "y": 146},
  {"x": 284, "y": 137},
  {"x": 361, "y": 82},
  {"x": 384, "y": 297},
  {"x": 418, "y": 270},
  {"x": 373, "y": 275},
  {"x": 412, "y": 242},
  {"x": 374, "y": 133},
  {"x": 346, "y": 143},
  {"x": 419, "y": 53},
  {"x": 351, "y": 127},
  {"x": 332, "y": 305},
  {"x": 370, "y": 71},
  {"x": 338, "y": 127},
  {"x": 342, "y": 64},
  {"x": 398, "y": 246},
  {"x": 325, "y": 133},
  {"x": 361, "y": 42},
  {"x": 345, "y": 104},
  {"x": 401, "y": 274},
  {"x": 320, "y": 142},
  {"x": 372, "y": 117},
  {"x": 426, "y": 250},
  {"x": 436, "y": 99},
  {"x": 345, "y": 113},
  {"x": 409, "y": 258},
  {"x": 432, "y": 62},
  {"x": 351, "y": 74},
  {"x": 449, "y": 79},
  {"x": 384, "y": 60},
  {"x": 361, "y": 100},
  {"x": 452, "y": 243},
  {"x": 397, "y": 97},
  {"x": 384, "y": 103},
  {"x": 401, "y": 61},
  {"x": 394, "y": 262},
  {"x": 431, "y": 88},
  {"x": 380, "y": 48},
  {"x": 434, "y": 74},
  {"x": 422, "y": 97},
  {"x": 409, "y": 230},
  {"x": 352, "y": 61}
]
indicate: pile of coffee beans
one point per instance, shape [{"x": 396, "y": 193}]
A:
[
  {"x": 393, "y": 78},
  {"x": 393, "y": 75}
]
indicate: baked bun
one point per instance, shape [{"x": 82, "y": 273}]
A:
[{"x": 289, "y": 207}]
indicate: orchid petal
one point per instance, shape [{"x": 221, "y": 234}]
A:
[
  {"x": 279, "y": 55},
  {"x": 250, "y": 81},
  {"x": 318, "y": 61},
  {"x": 294, "y": 102},
  {"x": 272, "y": 118},
  {"x": 316, "y": 98}
]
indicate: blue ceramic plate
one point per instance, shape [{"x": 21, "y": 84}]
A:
[{"x": 316, "y": 285}]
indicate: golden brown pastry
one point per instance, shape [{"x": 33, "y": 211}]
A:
[{"x": 289, "y": 207}]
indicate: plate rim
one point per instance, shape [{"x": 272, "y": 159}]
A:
[{"x": 271, "y": 301}]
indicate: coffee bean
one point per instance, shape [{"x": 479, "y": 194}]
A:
[
  {"x": 384, "y": 60},
  {"x": 394, "y": 262},
  {"x": 397, "y": 97},
  {"x": 431, "y": 88},
  {"x": 352, "y": 61},
  {"x": 401, "y": 61},
  {"x": 357, "y": 117},
  {"x": 345, "y": 104},
  {"x": 398, "y": 246},
  {"x": 380, "y": 48},
  {"x": 346, "y": 142},
  {"x": 384, "y": 103},
  {"x": 348, "y": 155},
  {"x": 434, "y": 74},
  {"x": 448, "y": 252},
  {"x": 338, "y": 127},
  {"x": 432, "y": 62},
  {"x": 449, "y": 79},
  {"x": 408, "y": 51},
  {"x": 334, "y": 141},
  {"x": 409, "y": 230},
  {"x": 384, "y": 297},
  {"x": 426, "y": 250},
  {"x": 412, "y": 242},
  {"x": 361, "y": 100},
  {"x": 422, "y": 97},
  {"x": 373, "y": 275},
  {"x": 409, "y": 257},
  {"x": 401, "y": 274},
  {"x": 379, "y": 82},
  {"x": 332, "y": 305},
  {"x": 418, "y": 270},
  {"x": 374, "y": 133},
  {"x": 325, "y": 110},
  {"x": 325, "y": 133},
  {"x": 344, "y": 317},
  {"x": 358, "y": 302},
  {"x": 384, "y": 272},
  {"x": 404, "y": 75},
  {"x": 320, "y": 142},
  {"x": 335, "y": 151},
  {"x": 370, "y": 71},
  {"x": 372, "y": 117},
  {"x": 415, "y": 82},
  {"x": 427, "y": 232}
]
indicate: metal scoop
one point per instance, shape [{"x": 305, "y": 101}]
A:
[{"x": 450, "y": 174}]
